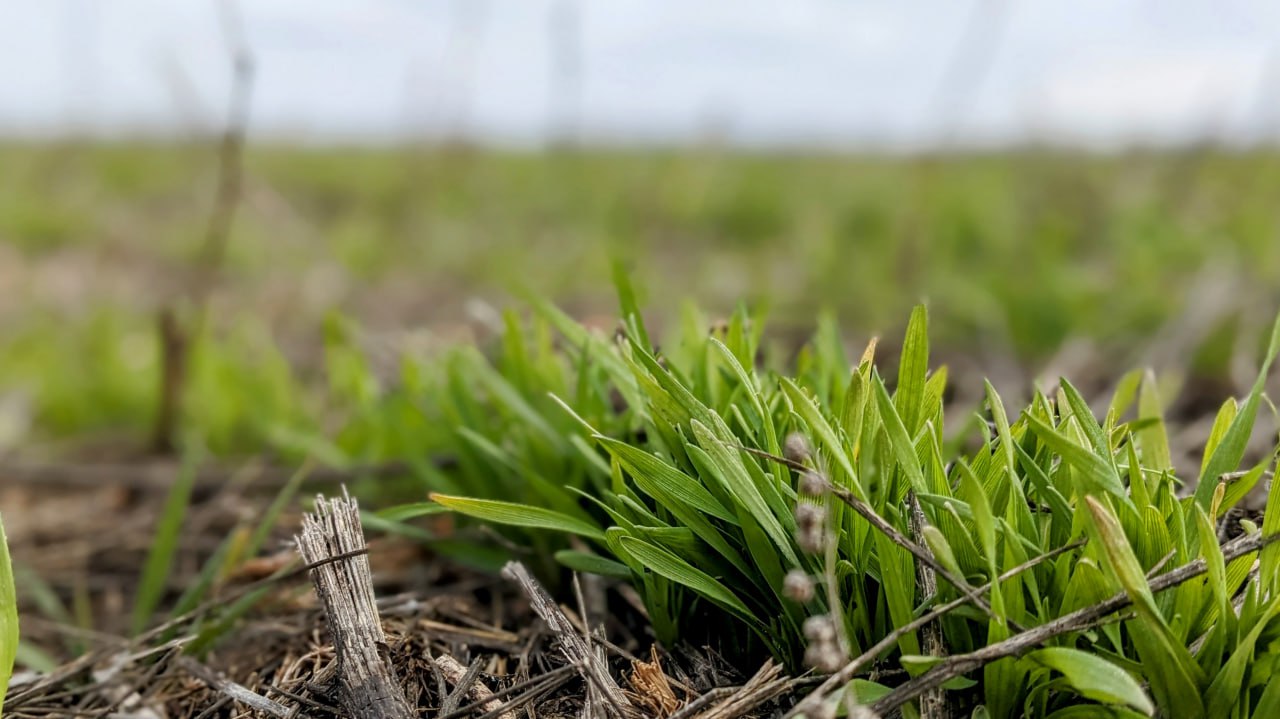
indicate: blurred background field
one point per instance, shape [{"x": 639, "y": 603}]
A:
[{"x": 1021, "y": 255}]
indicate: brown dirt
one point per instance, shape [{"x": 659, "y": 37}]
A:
[{"x": 281, "y": 650}]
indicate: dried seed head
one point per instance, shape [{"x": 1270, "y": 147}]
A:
[
  {"x": 823, "y": 653},
  {"x": 796, "y": 448},
  {"x": 798, "y": 586},
  {"x": 811, "y": 527},
  {"x": 813, "y": 484},
  {"x": 820, "y": 628}
]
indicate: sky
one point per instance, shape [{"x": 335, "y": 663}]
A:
[{"x": 824, "y": 73}]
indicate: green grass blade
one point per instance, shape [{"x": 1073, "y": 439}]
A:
[
  {"x": 401, "y": 512},
  {"x": 1095, "y": 678},
  {"x": 971, "y": 491},
  {"x": 507, "y": 396},
  {"x": 1085, "y": 419},
  {"x": 1155, "y": 442},
  {"x": 753, "y": 394},
  {"x": 941, "y": 549},
  {"x": 1044, "y": 488},
  {"x": 898, "y": 579},
  {"x": 739, "y": 484},
  {"x": 1099, "y": 475},
  {"x": 31, "y": 657},
  {"x": 8, "y": 616},
  {"x": 45, "y": 598},
  {"x": 1241, "y": 486},
  {"x": 1125, "y": 392},
  {"x": 164, "y": 545},
  {"x": 218, "y": 627},
  {"x": 1229, "y": 453},
  {"x": 1269, "y": 703},
  {"x": 1001, "y": 418},
  {"x": 1225, "y": 693},
  {"x": 1174, "y": 675},
  {"x": 278, "y": 504},
  {"x": 629, "y": 304},
  {"x": 808, "y": 410},
  {"x": 1214, "y": 562},
  {"x": 519, "y": 515},
  {"x": 592, "y": 564},
  {"x": 664, "y": 482},
  {"x": 681, "y": 572},
  {"x": 213, "y": 566},
  {"x": 223, "y": 555},
  {"x": 1221, "y": 423},
  {"x": 904, "y": 450},
  {"x": 912, "y": 369},
  {"x": 1269, "y": 558}
]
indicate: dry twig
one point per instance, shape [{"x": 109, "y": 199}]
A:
[
  {"x": 767, "y": 684},
  {"x": 868, "y": 513},
  {"x": 236, "y": 692},
  {"x": 575, "y": 648},
  {"x": 1075, "y": 621},
  {"x": 835, "y": 682},
  {"x": 466, "y": 681},
  {"x": 933, "y": 704},
  {"x": 176, "y": 340}
]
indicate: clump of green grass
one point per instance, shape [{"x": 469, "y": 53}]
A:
[{"x": 686, "y": 488}]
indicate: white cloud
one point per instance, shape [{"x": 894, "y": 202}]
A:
[{"x": 1161, "y": 96}]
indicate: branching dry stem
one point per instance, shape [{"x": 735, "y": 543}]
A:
[{"x": 1075, "y": 621}]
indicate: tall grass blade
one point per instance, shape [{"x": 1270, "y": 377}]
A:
[
  {"x": 912, "y": 370},
  {"x": 164, "y": 545},
  {"x": 904, "y": 449},
  {"x": 8, "y": 616},
  {"x": 1155, "y": 442},
  {"x": 1174, "y": 675},
  {"x": 1228, "y": 454}
]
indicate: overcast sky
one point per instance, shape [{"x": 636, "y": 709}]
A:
[{"x": 842, "y": 72}]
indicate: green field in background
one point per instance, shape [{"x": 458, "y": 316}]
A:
[{"x": 1015, "y": 253}]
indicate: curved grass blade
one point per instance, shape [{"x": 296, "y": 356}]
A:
[
  {"x": 1095, "y": 678},
  {"x": 519, "y": 515},
  {"x": 669, "y": 484},
  {"x": 681, "y": 572},
  {"x": 592, "y": 564}
]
